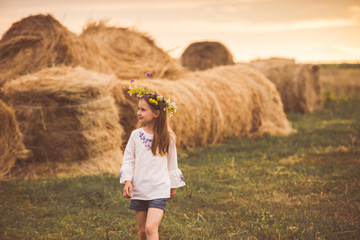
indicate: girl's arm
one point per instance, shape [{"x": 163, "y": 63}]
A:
[
  {"x": 127, "y": 169},
  {"x": 176, "y": 176},
  {"x": 172, "y": 192},
  {"x": 127, "y": 192}
]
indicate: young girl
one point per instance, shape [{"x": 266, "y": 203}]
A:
[{"x": 150, "y": 171}]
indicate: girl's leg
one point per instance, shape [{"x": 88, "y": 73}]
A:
[
  {"x": 141, "y": 219},
  {"x": 153, "y": 219}
]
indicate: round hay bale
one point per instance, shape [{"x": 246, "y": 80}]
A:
[
  {"x": 11, "y": 142},
  {"x": 129, "y": 53},
  {"x": 69, "y": 121},
  {"x": 215, "y": 104},
  {"x": 298, "y": 84},
  {"x": 204, "y": 55},
  {"x": 38, "y": 42}
]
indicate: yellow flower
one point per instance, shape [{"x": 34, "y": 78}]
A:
[
  {"x": 154, "y": 98},
  {"x": 153, "y": 101}
]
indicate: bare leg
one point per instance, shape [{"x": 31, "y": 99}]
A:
[
  {"x": 153, "y": 219},
  {"x": 141, "y": 219}
]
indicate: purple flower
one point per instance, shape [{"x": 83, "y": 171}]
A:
[
  {"x": 132, "y": 80},
  {"x": 149, "y": 75},
  {"x": 146, "y": 96}
]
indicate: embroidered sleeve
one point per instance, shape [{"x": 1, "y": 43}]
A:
[
  {"x": 176, "y": 176},
  {"x": 127, "y": 169}
]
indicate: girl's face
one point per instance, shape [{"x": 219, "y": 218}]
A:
[{"x": 145, "y": 114}]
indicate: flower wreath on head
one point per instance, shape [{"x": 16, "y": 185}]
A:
[{"x": 153, "y": 97}]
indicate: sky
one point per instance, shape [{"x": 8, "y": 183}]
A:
[{"x": 307, "y": 30}]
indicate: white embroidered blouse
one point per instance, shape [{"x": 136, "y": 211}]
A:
[{"x": 151, "y": 176}]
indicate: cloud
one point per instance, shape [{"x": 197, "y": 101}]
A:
[
  {"x": 229, "y": 9},
  {"x": 355, "y": 9},
  {"x": 309, "y": 24},
  {"x": 117, "y": 5},
  {"x": 349, "y": 51},
  {"x": 243, "y": 27}
]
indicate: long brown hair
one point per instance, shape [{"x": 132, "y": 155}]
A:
[{"x": 162, "y": 130}]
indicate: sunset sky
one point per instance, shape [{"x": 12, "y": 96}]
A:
[{"x": 308, "y": 30}]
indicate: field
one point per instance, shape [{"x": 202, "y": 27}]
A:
[
  {"x": 303, "y": 186},
  {"x": 340, "y": 79}
]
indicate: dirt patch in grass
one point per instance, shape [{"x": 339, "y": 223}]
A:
[
  {"x": 290, "y": 160},
  {"x": 339, "y": 157},
  {"x": 284, "y": 198}
]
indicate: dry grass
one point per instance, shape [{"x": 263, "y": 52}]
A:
[
  {"x": 12, "y": 148},
  {"x": 69, "y": 121}
]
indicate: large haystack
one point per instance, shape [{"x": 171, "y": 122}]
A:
[
  {"x": 69, "y": 121},
  {"x": 11, "y": 142},
  {"x": 127, "y": 107},
  {"x": 228, "y": 101},
  {"x": 38, "y": 42},
  {"x": 129, "y": 53},
  {"x": 298, "y": 84},
  {"x": 204, "y": 55}
]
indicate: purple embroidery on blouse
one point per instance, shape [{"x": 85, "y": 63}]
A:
[
  {"x": 182, "y": 179},
  {"x": 121, "y": 174},
  {"x": 147, "y": 142}
]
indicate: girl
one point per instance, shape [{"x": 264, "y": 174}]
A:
[{"x": 150, "y": 171}]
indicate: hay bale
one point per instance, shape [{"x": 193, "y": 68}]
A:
[
  {"x": 11, "y": 142},
  {"x": 298, "y": 84},
  {"x": 129, "y": 53},
  {"x": 69, "y": 121},
  {"x": 266, "y": 64},
  {"x": 215, "y": 104},
  {"x": 127, "y": 108},
  {"x": 204, "y": 55},
  {"x": 40, "y": 41}
]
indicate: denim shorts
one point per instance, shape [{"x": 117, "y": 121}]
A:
[{"x": 144, "y": 205}]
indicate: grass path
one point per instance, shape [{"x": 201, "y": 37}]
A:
[{"x": 303, "y": 186}]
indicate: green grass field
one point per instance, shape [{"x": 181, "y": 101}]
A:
[{"x": 303, "y": 186}]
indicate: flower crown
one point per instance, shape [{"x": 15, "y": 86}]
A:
[{"x": 153, "y": 97}]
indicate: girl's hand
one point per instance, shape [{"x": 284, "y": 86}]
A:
[
  {"x": 127, "y": 193},
  {"x": 172, "y": 192}
]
